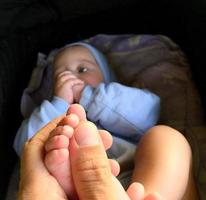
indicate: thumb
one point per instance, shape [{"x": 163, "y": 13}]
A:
[
  {"x": 33, "y": 149},
  {"x": 90, "y": 166}
]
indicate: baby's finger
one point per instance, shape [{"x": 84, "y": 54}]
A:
[
  {"x": 62, "y": 78},
  {"x": 68, "y": 81},
  {"x": 64, "y": 73}
]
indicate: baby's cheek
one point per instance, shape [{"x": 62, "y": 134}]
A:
[{"x": 95, "y": 82}]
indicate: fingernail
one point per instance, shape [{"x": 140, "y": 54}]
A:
[{"x": 86, "y": 134}]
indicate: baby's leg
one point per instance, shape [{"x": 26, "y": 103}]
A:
[
  {"x": 163, "y": 164},
  {"x": 57, "y": 150}
]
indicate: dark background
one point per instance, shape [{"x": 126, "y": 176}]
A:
[{"x": 29, "y": 26}]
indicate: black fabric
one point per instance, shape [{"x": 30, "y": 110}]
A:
[
  {"x": 19, "y": 15},
  {"x": 14, "y": 72},
  {"x": 195, "y": 43},
  {"x": 29, "y": 26}
]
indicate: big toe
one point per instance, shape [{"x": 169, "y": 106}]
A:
[{"x": 78, "y": 110}]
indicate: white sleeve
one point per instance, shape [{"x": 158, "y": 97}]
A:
[
  {"x": 39, "y": 118},
  {"x": 125, "y": 111}
]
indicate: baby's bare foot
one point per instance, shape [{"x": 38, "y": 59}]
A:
[{"x": 57, "y": 159}]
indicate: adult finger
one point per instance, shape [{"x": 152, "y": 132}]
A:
[
  {"x": 90, "y": 166},
  {"x": 33, "y": 171},
  {"x": 33, "y": 149}
]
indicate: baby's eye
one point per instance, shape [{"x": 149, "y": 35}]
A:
[{"x": 82, "y": 69}]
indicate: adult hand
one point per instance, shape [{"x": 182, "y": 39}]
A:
[
  {"x": 91, "y": 169},
  {"x": 36, "y": 182}
]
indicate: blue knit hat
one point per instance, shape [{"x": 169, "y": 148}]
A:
[{"x": 100, "y": 59}]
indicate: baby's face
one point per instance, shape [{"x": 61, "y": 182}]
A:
[{"x": 81, "y": 63}]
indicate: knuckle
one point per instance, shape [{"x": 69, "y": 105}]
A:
[{"x": 93, "y": 170}]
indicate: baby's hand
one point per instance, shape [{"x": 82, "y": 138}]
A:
[
  {"x": 77, "y": 91},
  {"x": 64, "y": 85}
]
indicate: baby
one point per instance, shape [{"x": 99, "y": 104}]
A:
[{"x": 82, "y": 75}]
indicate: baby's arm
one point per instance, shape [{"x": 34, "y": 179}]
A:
[
  {"x": 123, "y": 110},
  {"x": 39, "y": 118}
]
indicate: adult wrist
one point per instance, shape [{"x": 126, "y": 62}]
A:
[
  {"x": 29, "y": 196},
  {"x": 37, "y": 196}
]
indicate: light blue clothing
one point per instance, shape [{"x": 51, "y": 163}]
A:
[
  {"x": 124, "y": 111},
  {"x": 41, "y": 83}
]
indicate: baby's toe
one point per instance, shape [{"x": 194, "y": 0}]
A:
[
  {"x": 71, "y": 120},
  {"x": 57, "y": 142},
  {"x": 78, "y": 110},
  {"x": 56, "y": 158}
]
